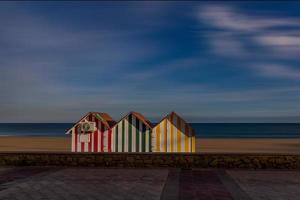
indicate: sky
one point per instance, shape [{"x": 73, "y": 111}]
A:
[{"x": 209, "y": 62}]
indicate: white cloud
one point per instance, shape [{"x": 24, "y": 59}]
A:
[
  {"x": 279, "y": 40},
  {"x": 252, "y": 37},
  {"x": 277, "y": 71},
  {"x": 231, "y": 19},
  {"x": 280, "y": 45}
]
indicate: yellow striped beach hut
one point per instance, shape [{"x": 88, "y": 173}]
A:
[
  {"x": 132, "y": 134},
  {"x": 173, "y": 134}
]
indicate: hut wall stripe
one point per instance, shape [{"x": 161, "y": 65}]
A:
[
  {"x": 119, "y": 140},
  {"x": 78, "y": 140},
  {"x": 126, "y": 135},
  {"x": 178, "y": 134},
  {"x": 95, "y": 140},
  {"x": 140, "y": 135},
  {"x": 172, "y": 139},
  {"x": 175, "y": 149},
  {"x": 99, "y": 137},
  {"x": 85, "y": 146},
  {"x": 129, "y": 133},
  {"x": 104, "y": 139},
  {"x": 168, "y": 136},
  {"x": 161, "y": 129},
  {"x": 92, "y": 139},
  {"x": 184, "y": 136},
  {"x": 157, "y": 130},
  {"x": 105, "y": 143},
  {"x": 111, "y": 141},
  {"x": 137, "y": 133},
  {"x": 89, "y": 144},
  {"x": 122, "y": 136},
  {"x": 110, "y": 138},
  {"x": 119, "y": 137},
  {"x": 147, "y": 139},
  {"x": 133, "y": 133},
  {"x": 73, "y": 140},
  {"x": 115, "y": 140},
  {"x": 161, "y": 135},
  {"x": 165, "y": 136}
]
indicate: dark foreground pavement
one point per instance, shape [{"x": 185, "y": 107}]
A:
[{"x": 98, "y": 183}]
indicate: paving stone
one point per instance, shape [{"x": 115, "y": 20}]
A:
[
  {"x": 146, "y": 184},
  {"x": 89, "y": 183},
  {"x": 202, "y": 184},
  {"x": 264, "y": 184}
]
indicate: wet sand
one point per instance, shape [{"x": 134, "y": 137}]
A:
[{"x": 63, "y": 144}]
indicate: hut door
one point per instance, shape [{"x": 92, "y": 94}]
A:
[{"x": 105, "y": 142}]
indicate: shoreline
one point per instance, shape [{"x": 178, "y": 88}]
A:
[{"x": 197, "y": 138}]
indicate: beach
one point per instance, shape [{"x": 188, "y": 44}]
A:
[{"x": 63, "y": 144}]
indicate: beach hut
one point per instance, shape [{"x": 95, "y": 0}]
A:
[
  {"x": 132, "y": 134},
  {"x": 173, "y": 134},
  {"x": 92, "y": 133}
]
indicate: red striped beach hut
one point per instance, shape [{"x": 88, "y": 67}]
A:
[
  {"x": 92, "y": 133},
  {"x": 173, "y": 134},
  {"x": 132, "y": 134}
]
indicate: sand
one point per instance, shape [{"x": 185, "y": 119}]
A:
[
  {"x": 16, "y": 143},
  {"x": 249, "y": 145},
  {"x": 63, "y": 144}
]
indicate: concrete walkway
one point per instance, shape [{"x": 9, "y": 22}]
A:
[{"x": 98, "y": 183}]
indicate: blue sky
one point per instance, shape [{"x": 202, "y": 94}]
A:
[{"x": 210, "y": 62}]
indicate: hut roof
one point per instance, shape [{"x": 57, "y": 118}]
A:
[
  {"x": 174, "y": 113},
  {"x": 139, "y": 116},
  {"x": 104, "y": 117}
]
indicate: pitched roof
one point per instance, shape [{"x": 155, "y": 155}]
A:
[
  {"x": 104, "y": 117},
  {"x": 174, "y": 113},
  {"x": 139, "y": 116}
]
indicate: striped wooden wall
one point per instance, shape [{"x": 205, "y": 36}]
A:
[
  {"x": 131, "y": 135},
  {"x": 172, "y": 134},
  {"x": 99, "y": 141}
]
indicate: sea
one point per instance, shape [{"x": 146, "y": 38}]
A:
[{"x": 203, "y": 130}]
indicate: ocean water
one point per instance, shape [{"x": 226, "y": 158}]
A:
[{"x": 203, "y": 130}]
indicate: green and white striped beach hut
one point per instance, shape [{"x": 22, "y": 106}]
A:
[{"x": 132, "y": 134}]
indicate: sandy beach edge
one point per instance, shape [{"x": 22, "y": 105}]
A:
[{"x": 205, "y": 145}]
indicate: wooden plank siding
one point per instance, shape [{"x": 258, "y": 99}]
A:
[
  {"x": 99, "y": 141},
  {"x": 131, "y": 135},
  {"x": 173, "y": 134}
]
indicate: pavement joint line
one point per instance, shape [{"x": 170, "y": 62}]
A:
[
  {"x": 232, "y": 186},
  {"x": 171, "y": 187}
]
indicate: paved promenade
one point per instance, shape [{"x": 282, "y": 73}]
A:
[{"x": 98, "y": 183}]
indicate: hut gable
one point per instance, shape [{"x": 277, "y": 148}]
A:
[
  {"x": 173, "y": 134},
  {"x": 104, "y": 117},
  {"x": 132, "y": 134},
  {"x": 96, "y": 140}
]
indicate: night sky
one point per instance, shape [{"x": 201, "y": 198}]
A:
[{"x": 210, "y": 62}]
